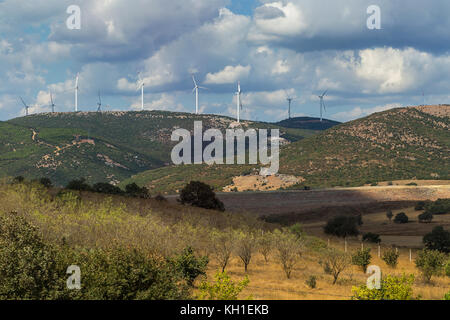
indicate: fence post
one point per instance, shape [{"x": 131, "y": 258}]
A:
[
  {"x": 410, "y": 255},
  {"x": 379, "y": 251},
  {"x": 345, "y": 243},
  {"x": 362, "y": 246}
]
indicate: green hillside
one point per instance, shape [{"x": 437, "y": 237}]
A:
[
  {"x": 404, "y": 143},
  {"x": 101, "y": 147},
  {"x": 308, "y": 123}
]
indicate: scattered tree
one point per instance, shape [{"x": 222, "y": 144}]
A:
[
  {"x": 425, "y": 217},
  {"x": 401, "y": 218},
  {"x": 342, "y": 226},
  {"x": 288, "y": 247},
  {"x": 265, "y": 245},
  {"x": 46, "y": 182},
  {"x": 199, "y": 194},
  {"x": 371, "y": 237},
  {"x": 362, "y": 258},
  {"x": 430, "y": 263},
  {"x": 79, "y": 185},
  {"x": 389, "y": 215},
  {"x": 335, "y": 262},
  {"x": 189, "y": 265},
  {"x": 223, "y": 245},
  {"x": 391, "y": 257},
  {"x": 245, "y": 246},
  {"x": 438, "y": 239},
  {"x": 133, "y": 190}
]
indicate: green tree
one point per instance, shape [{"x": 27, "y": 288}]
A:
[
  {"x": 342, "y": 226},
  {"x": 362, "y": 258},
  {"x": 391, "y": 257},
  {"x": 189, "y": 265},
  {"x": 335, "y": 262},
  {"x": 401, "y": 218},
  {"x": 430, "y": 263},
  {"x": 438, "y": 239},
  {"x": 199, "y": 194}
]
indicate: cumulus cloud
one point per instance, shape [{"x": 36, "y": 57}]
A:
[
  {"x": 229, "y": 74},
  {"x": 359, "y": 112}
]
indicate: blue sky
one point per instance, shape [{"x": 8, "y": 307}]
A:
[{"x": 274, "y": 48}]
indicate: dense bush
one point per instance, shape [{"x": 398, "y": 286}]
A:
[
  {"x": 430, "y": 263},
  {"x": 189, "y": 265},
  {"x": 392, "y": 288},
  {"x": 133, "y": 190},
  {"x": 223, "y": 288},
  {"x": 447, "y": 268},
  {"x": 438, "y": 239},
  {"x": 342, "y": 226},
  {"x": 28, "y": 267},
  {"x": 440, "y": 206},
  {"x": 401, "y": 218},
  {"x": 199, "y": 194},
  {"x": 79, "y": 185},
  {"x": 106, "y": 188},
  {"x": 46, "y": 182},
  {"x": 425, "y": 217},
  {"x": 371, "y": 237},
  {"x": 33, "y": 269},
  {"x": 362, "y": 258},
  {"x": 391, "y": 257}
]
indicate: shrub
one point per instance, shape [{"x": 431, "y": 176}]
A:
[
  {"x": 18, "y": 179},
  {"x": 420, "y": 206},
  {"x": 189, "y": 265},
  {"x": 362, "y": 258},
  {"x": 335, "y": 262},
  {"x": 371, "y": 237},
  {"x": 28, "y": 267},
  {"x": 79, "y": 185},
  {"x": 392, "y": 288},
  {"x": 446, "y": 296},
  {"x": 430, "y": 263},
  {"x": 199, "y": 194},
  {"x": 447, "y": 268},
  {"x": 412, "y": 184},
  {"x": 46, "y": 182},
  {"x": 223, "y": 288},
  {"x": 133, "y": 190},
  {"x": 311, "y": 282},
  {"x": 297, "y": 229},
  {"x": 391, "y": 257},
  {"x": 389, "y": 215},
  {"x": 425, "y": 217},
  {"x": 106, "y": 188},
  {"x": 342, "y": 226},
  {"x": 401, "y": 218},
  {"x": 160, "y": 198},
  {"x": 438, "y": 239}
]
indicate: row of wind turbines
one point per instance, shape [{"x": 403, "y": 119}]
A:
[{"x": 195, "y": 90}]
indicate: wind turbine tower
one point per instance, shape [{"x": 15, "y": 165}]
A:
[
  {"x": 52, "y": 103},
  {"x": 322, "y": 105},
  {"x": 99, "y": 103},
  {"x": 289, "y": 100},
  {"x": 76, "y": 93},
  {"x": 26, "y": 107},
  {"x": 141, "y": 86},
  {"x": 238, "y": 102}
]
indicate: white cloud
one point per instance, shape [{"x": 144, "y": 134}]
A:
[
  {"x": 229, "y": 74},
  {"x": 359, "y": 112}
]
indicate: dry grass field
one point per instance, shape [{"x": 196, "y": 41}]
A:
[{"x": 268, "y": 282}]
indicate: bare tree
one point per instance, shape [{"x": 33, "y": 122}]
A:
[
  {"x": 288, "y": 247},
  {"x": 265, "y": 244},
  {"x": 223, "y": 243},
  {"x": 245, "y": 246},
  {"x": 335, "y": 262}
]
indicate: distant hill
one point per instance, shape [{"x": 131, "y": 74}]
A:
[
  {"x": 308, "y": 123},
  {"x": 404, "y": 143},
  {"x": 101, "y": 147}
]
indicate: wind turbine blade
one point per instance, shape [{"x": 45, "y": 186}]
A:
[
  {"x": 23, "y": 102},
  {"x": 193, "y": 79},
  {"x": 323, "y": 95},
  {"x": 324, "y": 107},
  {"x": 76, "y": 81}
]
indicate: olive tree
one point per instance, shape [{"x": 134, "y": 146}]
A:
[
  {"x": 245, "y": 247},
  {"x": 289, "y": 247},
  {"x": 335, "y": 262}
]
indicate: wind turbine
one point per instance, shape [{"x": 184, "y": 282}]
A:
[
  {"x": 141, "y": 87},
  {"x": 52, "y": 103},
  {"x": 196, "y": 87},
  {"x": 26, "y": 106},
  {"x": 322, "y": 105},
  {"x": 76, "y": 93},
  {"x": 289, "y": 100},
  {"x": 99, "y": 103},
  {"x": 239, "y": 102}
]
